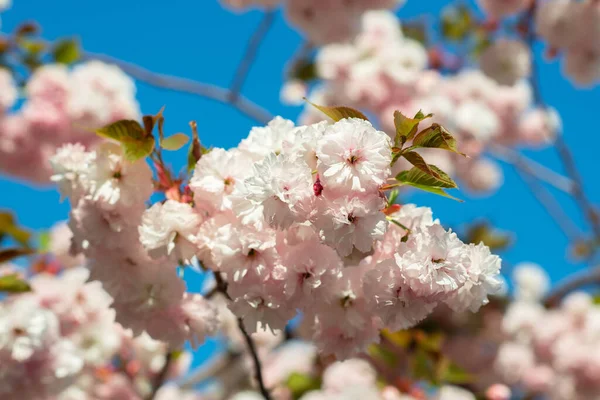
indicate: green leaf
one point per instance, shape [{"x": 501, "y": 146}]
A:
[
  {"x": 435, "y": 190},
  {"x": 31, "y": 46},
  {"x": 393, "y": 196},
  {"x": 9, "y": 227},
  {"x": 299, "y": 384},
  {"x": 379, "y": 352},
  {"x": 417, "y": 160},
  {"x": 457, "y": 23},
  {"x": 436, "y": 136},
  {"x": 11, "y": 253},
  {"x": 417, "y": 176},
  {"x": 406, "y": 127},
  {"x": 422, "y": 366},
  {"x": 482, "y": 232},
  {"x": 415, "y": 31},
  {"x": 195, "y": 150},
  {"x": 136, "y": 142},
  {"x": 44, "y": 241},
  {"x": 431, "y": 342},
  {"x": 305, "y": 70},
  {"x": 13, "y": 284},
  {"x": 453, "y": 374},
  {"x": 174, "y": 142},
  {"x": 66, "y": 51},
  {"x": 401, "y": 338},
  {"x": 338, "y": 113}
]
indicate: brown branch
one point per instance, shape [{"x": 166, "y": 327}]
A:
[
  {"x": 161, "y": 377},
  {"x": 177, "y": 84},
  {"x": 241, "y": 73},
  {"x": 561, "y": 146},
  {"x": 222, "y": 287},
  {"x": 578, "y": 281}
]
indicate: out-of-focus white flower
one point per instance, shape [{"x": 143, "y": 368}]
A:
[
  {"x": 506, "y": 61},
  {"x": 531, "y": 282}
]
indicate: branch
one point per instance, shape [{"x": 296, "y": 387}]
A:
[
  {"x": 254, "y": 43},
  {"x": 551, "y": 205},
  {"x": 585, "y": 278},
  {"x": 533, "y": 168},
  {"x": 255, "y": 359},
  {"x": 177, "y": 84},
  {"x": 222, "y": 287},
  {"x": 208, "y": 370},
  {"x": 162, "y": 376},
  {"x": 561, "y": 146}
]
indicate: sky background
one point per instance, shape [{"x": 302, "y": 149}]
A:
[{"x": 202, "y": 41}]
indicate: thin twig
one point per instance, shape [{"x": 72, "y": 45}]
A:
[
  {"x": 222, "y": 287},
  {"x": 255, "y": 359},
  {"x": 208, "y": 370},
  {"x": 561, "y": 146},
  {"x": 241, "y": 73},
  {"x": 162, "y": 376},
  {"x": 174, "y": 83},
  {"x": 551, "y": 205},
  {"x": 534, "y": 168},
  {"x": 588, "y": 277}
]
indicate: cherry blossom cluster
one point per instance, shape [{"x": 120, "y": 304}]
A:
[
  {"x": 61, "y": 106},
  {"x": 61, "y": 342},
  {"x": 572, "y": 28},
  {"x": 550, "y": 352},
  {"x": 108, "y": 195},
  {"x": 293, "y": 219},
  {"x": 322, "y": 21},
  {"x": 382, "y": 71}
]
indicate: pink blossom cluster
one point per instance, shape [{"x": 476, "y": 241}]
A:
[
  {"x": 108, "y": 195},
  {"x": 61, "y": 342},
  {"x": 573, "y": 29},
  {"x": 61, "y": 106},
  {"x": 292, "y": 218},
  {"x": 322, "y": 21},
  {"x": 382, "y": 71},
  {"x": 550, "y": 352}
]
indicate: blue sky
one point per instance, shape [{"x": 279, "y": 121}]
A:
[{"x": 200, "y": 40}]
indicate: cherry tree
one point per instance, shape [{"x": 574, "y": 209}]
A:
[{"x": 320, "y": 280}]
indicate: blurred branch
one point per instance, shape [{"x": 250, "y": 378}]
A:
[
  {"x": 208, "y": 370},
  {"x": 162, "y": 376},
  {"x": 533, "y": 168},
  {"x": 561, "y": 146},
  {"x": 254, "y": 43},
  {"x": 184, "y": 85},
  {"x": 585, "y": 278},
  {"x": 551, "y": 205}
]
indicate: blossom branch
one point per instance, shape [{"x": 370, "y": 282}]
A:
[
  {"x": 222, "y": 287},
  {"x": 577, "y": 281},
  {"x": 250, "y": 54},
  {"x": 173, "y": 83},
  {"x": 533, "y": 168},
  {"x": 550, "y": 204}
]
